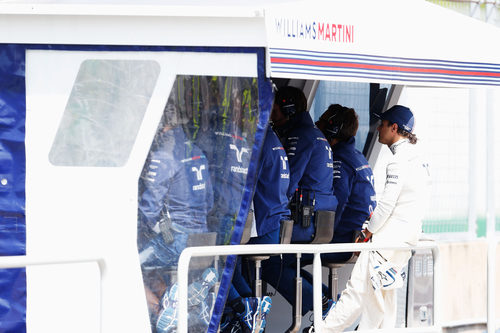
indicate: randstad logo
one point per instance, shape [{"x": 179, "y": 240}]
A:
[{"x": 239, "y": 153}]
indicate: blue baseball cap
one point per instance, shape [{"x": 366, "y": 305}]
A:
[{"x": 400, "y": 115}]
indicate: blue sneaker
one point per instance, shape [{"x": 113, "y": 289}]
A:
[
  {"x": 265, "y": 305},
  {"x": 236, "y": 327},
  {"x": 170, "y": 297},
  {"x": 167, "y": 321},
  {"x": 210, "y": 277},
  {"x": 198, "y": 292},
  {"x": 247, "y": 316},
  {"x": 206, "y": 310},
  {"x": 225, "y": 321},
  {"x": 230, "y": 324},
  {"x": 254, "y": 318},
  {"x": 264, "y": 308}
]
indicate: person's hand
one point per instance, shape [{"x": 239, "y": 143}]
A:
[
  {"x": 152, "y": 300},
  {"x": 364, "y": 236},
  {"x": 368, "y": 234}
]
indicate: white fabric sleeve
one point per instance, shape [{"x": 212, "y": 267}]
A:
[{"x": 385, "y": 205}]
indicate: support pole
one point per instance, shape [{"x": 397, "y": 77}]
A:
[{"x": 490, "y": 209}]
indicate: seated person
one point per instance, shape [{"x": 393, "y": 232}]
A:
[
  {"x": 270, "y": 208},
  {"x": 175, "y": 195},
  {"x": 353, "y": 186},
  {"x": 311, "y": 175}
]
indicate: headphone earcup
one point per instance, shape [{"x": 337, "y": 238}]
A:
[
  {"x": 334, "y": 129},
  {"x": 286, "y": 100},
  {"x": 335, "y": 124},
  {"x": 288, "y": 110}
]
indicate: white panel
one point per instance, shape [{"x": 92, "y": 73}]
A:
[
  {"x": 132, "y": 30},
  {"x": 381, "y": 41},
  {"x": 386, "y": 27},
  {"x": 93, "y": 210}
]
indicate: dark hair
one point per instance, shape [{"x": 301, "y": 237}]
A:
[
  {"x": 411, "y": 137},
  {"x": 342, "y": 122}
]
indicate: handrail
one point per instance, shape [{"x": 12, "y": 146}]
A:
[
  {"x": 188, "y": 253},
  {"x": 31, "y": 260},
  {"x": 317, "y": 250}
]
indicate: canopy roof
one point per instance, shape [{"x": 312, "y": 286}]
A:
[{"x": 384, "y": 40}]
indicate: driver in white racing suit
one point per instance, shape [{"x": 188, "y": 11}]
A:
[{"x": 397, "y": 217}]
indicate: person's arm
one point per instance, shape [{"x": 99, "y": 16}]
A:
[
  {"x": 389, "y": 198},
  {"x": 258, "y": 211},
  {"x": 342, "y": 186},
  {"x": 156, "y": 186},
  {"x": 299, "y": 153}
]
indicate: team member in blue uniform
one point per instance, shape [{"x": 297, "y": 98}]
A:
[
  {"x": 175, "y": 195},
  {"x": 311, "y": 176},
  {"x": 352, "y": 175},
  {"x": 228, "y": 153},
  {"x": 270, "y": 208},
  {"x": 353, "y": 185},
  {"x": 309, "y": 155},
  {"x": 270, "y": 200},
  {"x": 229, "y": 165}
]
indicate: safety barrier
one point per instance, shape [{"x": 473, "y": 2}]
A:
[
  {"x": 25, "y": 261},
  {"x": 316, "y": 250},
  {"x": 188, "y": 253}
]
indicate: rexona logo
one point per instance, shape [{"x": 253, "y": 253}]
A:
[{"x": 314, "y": 30}]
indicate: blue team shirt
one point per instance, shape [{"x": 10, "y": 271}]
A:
[
  {"x": 353, "y": 186},
  {"x": 228, "y": 156},
  {"x": 176, "y": 178},
  {"x": 311, "y": 164},
  {"x": 270, "y": 199}
]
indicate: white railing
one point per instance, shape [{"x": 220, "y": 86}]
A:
[
  {"x": 316, "y": 250},
  {"x": 187, "y": 254},
  {"x": 25, "y": 261}
]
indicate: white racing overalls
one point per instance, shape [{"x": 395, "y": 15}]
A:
[{"x": 397, "y": 218}]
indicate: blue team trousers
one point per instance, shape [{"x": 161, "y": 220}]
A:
[
  {"x": 284, "y": 283},
  {"x": 240, "y": 286}
]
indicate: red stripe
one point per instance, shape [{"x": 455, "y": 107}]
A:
[
  {"x": 380, "y": 67},
  {"x": 237, "y": 137}
]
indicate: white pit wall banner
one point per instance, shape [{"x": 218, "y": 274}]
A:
[{"x": 404, "y": 42}]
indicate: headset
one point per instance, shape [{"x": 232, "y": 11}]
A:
[
  {"x": 287, "y": 106},
  {"x": 335, "y": 122},
  {"x": 286, "y": 98}
]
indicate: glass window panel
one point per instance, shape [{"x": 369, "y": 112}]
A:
[
  {"x": 191, "y": 186},
  {"x": 104, "y": 112},
  {"x": 350, "y": 94}
]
